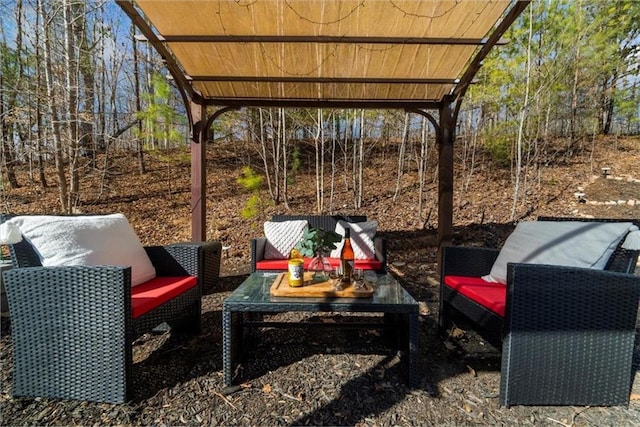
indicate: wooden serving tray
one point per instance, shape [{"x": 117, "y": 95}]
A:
[{"x": 281, "y": 288}]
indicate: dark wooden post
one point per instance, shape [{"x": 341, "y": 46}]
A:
[
  {"x": 198, "y": 172},
  {"x": 445, "y": 138}
]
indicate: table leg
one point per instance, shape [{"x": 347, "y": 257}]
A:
[
  {"x": 413, "y": 350},
  {"x": 227, "y": 353}
]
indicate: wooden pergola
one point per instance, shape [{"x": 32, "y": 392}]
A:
[{"x": 420, "y": 56}]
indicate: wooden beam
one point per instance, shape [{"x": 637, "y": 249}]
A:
[
  {"x": 369, "y": 80},
  {"x": 323, "y": 39},
  {"x": 198, "y": 172},
  {"x": 379, "y": 104},
  {"x": 445, "y": 138}
]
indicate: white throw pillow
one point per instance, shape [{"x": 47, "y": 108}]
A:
[
  {"x": 362, "y": 235},
  {"x": 282, "y": 237},
  {"x": 87, "y": 240},
  {"x": 568, "y": 243}
]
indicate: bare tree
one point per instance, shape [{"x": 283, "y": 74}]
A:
[
  {"x": 9, "y": 99},
  {"x": 358, "y": 163},
  {"x": 318, "y": 139},
  {"x": 138, "y": 100},
  {"x": 283, "y": 141},
  {"x": 54, "y": 117},
  {"x": 401, "y": 155},
  {"x": 422, "y": 164},
  {"x": 523, "y": 115}
]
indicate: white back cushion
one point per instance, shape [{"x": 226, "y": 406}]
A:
[
  {"x": 362, "y": 234},
  {"x": 282, "y": 237},
  {"x": 568, "y": 243},
  {"x": 87, "y": 240}
]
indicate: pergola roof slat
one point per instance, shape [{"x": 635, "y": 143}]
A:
[
  {"x": 322, "y": 39},
  {"x": 288, "y": 50}
]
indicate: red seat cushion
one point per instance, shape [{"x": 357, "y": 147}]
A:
[
  {"x": 155, "y": 292},
  {"x": 281, "y": 264},
  {"x": 490, "y": 295}
]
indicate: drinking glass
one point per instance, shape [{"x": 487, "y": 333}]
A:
[
  {"x": 335, "y": 278},
  {"x": 358, "y": 278},
  {"x": 370, "y": 277}
]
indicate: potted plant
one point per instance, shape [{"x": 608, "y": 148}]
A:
[{"x": 318, "y": 243}]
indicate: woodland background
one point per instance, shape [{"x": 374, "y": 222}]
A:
[
  {"x": 78, "y": 90},
  {"x": 90, "y": 124}
]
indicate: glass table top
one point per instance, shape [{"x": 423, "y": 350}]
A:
[{"x": 387, "y": 292}]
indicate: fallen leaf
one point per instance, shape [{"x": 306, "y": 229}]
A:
[
  {"x": 456, "y": 333},
  {"x": 424, "y": 309},
  {"x": 472, "y": 371},
  {"x": 449, "y": 345}
]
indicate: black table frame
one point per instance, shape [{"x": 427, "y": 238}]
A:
[{"x": 252, "y": 297}]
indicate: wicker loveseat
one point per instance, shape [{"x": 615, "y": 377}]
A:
[
  {"x": 73, "y": 326},
  {"x": 377, "y": 260},
  {"x": 566, "y": 333}
]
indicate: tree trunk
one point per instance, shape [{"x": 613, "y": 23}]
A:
[
  {"x": 285, "y": 156},
  {"x": 523, "y": 115},
  {"x": 41, "y": 130},
  {"x": 608, "y": 107},
  {"x": 574, "y": 88},
  {"x": 264, "y": 154},
  {"x": 334, "y": 169},
  {"x": 136, "y": 82},
  {"x": 401, "y": 151},
  {"x": 318, "y": 139},
  {"x": 71, "y": 82},
  {"x": 56, "y": 134},
  {"x": 6, "y": 150},
  {"x": 360, "y": 165},
  {"x": 87, "y": 72}
]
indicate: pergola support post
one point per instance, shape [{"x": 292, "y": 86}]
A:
[
  {"x": 445, "y": 137},
  {"x": 199, "y": 137},
  {"x": 198, "y": 172}
]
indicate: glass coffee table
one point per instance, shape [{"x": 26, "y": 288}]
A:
[{"x": 240, "y": 310}]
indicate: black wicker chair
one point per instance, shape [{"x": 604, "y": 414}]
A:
[
  {"x": 72, "y": 327},
  {"x": 567, "y": 337}
]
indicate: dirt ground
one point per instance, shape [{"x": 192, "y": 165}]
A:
[{"x": 300, "y": 376}]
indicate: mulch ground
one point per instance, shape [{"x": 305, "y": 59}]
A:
[{"x": 310, "y": 376}]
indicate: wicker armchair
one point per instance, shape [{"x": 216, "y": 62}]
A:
[
  {"x": 72, "y": 327},
  {"x": 567, "y": 334}
]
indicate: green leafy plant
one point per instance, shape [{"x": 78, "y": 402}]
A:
[
  {"x": 296, "y": 165},
  {"x": 252, "y": 182},
  {"x": 315, "y": 240}
]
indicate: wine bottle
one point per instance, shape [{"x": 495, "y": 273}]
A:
[{"x": 347, "y": 257}]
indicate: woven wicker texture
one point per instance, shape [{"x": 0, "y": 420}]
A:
[
  {"x": 570, "y": 337},
  {"x": 72, "y": 327},
  {"x": 568, "y": 334},
  {"x": 60, "y": 332}
]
